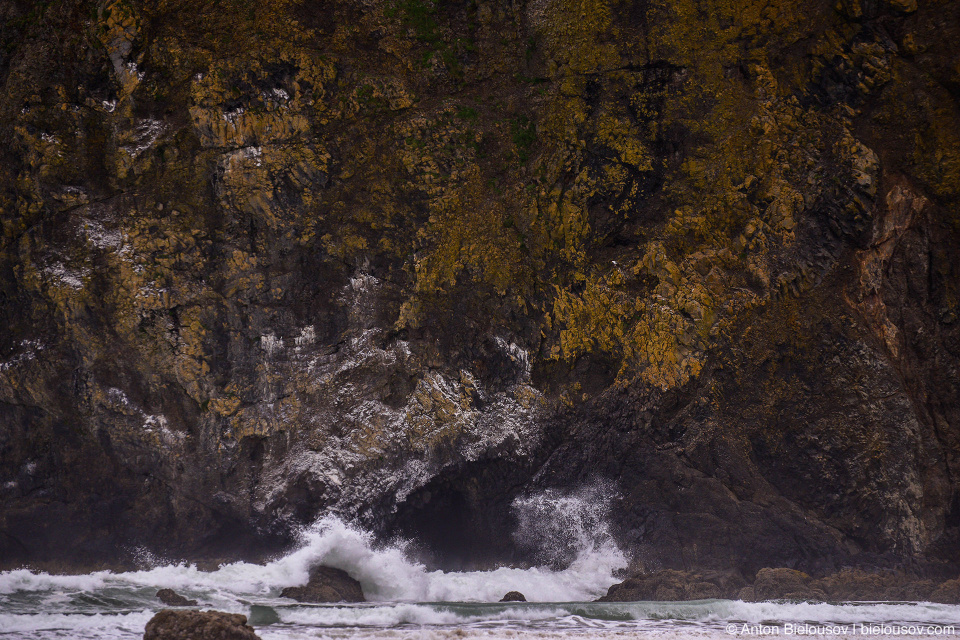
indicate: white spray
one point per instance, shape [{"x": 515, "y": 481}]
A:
[{"x": 567, "y": 526}]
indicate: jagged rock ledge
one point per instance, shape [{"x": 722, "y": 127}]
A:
[{"x": 782, "y": 584}]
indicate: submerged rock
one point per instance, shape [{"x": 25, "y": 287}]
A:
[
  {"x": 198, "y": 625},
  {"x": 513, "y": 596},
  {"x": 261, "y": 616},
  {"x": 171, "y": 598},
  {"x": 326, "y": 584}
]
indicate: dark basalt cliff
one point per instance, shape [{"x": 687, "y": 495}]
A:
[{"x": 406, "y": 260}]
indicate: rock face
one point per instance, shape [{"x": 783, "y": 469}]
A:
[
  {"x": 947, "y": 593},
  {"x": 326, "y": 584},
  {"x": 785, "y": 584},
  {"x": 406, "y": 261},
  {"x": 672, "y": 585},
  {"x": 513, "y": 596},
  {"x": 198, "y": 625},
  {"x": 172, "y": 598},
  {"x": 861, "y": 585}
]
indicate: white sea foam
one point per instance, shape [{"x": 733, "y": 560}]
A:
[
  {"x": 712, "y": 613},
  {"x": 388, "y": 575},
  {"x": 409, "y": 613},
  {"x": 26, "y": 580},
  {"x": 865, "y": 612},
  {"x": 118, "y": 624},
  {"x": 557, "y": 527},
  {"x": 471, "y": 633},
  {"x": 409, "y": 601},
  {"x": 385, "y": 571}
]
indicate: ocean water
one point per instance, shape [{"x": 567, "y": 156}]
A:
[{"x": 407, "y": 601}]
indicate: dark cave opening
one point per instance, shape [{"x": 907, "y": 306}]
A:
[{"x": 462, "y": 520}]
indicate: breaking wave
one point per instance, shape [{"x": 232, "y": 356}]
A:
[
  {"x": 567, "y": 532},
  {"x": 386, "y": 572}
]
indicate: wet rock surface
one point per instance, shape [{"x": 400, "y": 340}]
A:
[
  {"x": 326, "y": 584},
  {"x": 171, "y": 598},
  {"x": 260, "y": 267},
  {"x": 198, "y": 625},
  {"x": 670, "y": 585},
  {"x": 513, "y": 596},
  {"x": 861, "y": 585},
  {"x": 947, "y": 593},
  {"x": 783, "y": 584}
]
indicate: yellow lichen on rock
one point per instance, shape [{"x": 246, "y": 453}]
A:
[
  {"x": 573, "y": 34},
  {"x": 623, "y": 137}
]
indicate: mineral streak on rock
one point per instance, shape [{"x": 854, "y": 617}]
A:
[{"x": 404, "y": 261}]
